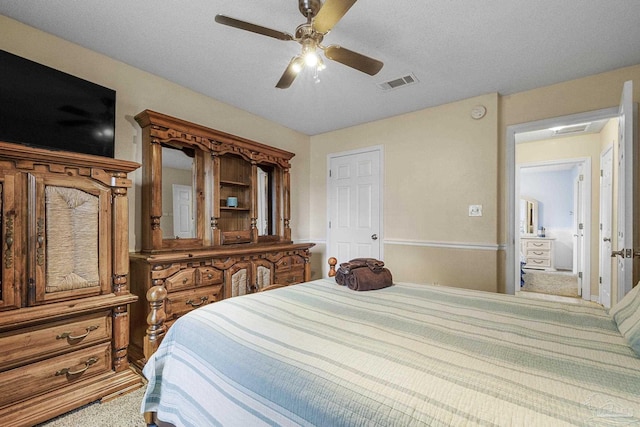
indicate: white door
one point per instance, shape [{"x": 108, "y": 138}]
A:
[
  {"x": 354, "y": 205},
  {"x": 183, "y": 211},
  {"x": 606, "y": 208},
  {"x": 626, "y": 155},
  {"x": 578, "y": 228}
]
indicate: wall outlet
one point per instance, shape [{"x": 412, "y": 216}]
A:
[{"x": 475, "y": 210}]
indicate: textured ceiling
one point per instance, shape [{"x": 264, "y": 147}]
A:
[{"x": 456, "y": 48}]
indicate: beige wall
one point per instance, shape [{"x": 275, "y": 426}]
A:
[
  {"x": 447, "y": 174},
  {"x": 590, "y": 93},
  {"x": 437, "y": 162},
  {"x": 137, "y": 90}
]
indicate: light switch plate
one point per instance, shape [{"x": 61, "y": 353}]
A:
[{"x": 475, "y": 210}]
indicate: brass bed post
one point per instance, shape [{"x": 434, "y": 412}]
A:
[{"x": 332, "y": 266}]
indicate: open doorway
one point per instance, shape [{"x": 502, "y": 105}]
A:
[
  {"x": 558, "y": 160},
  {"x": 555, "y": 222}
]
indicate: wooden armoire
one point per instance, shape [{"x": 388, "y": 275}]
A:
[
  {"x": 215, "y": 224},
  {"x": 64, "y": 295}
]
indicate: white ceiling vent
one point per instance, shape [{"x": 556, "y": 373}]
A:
[{"x": 409, "y": 79}]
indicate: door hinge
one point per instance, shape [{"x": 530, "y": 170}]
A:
[
  {"x": 329, "y": 173},
  {"x": 601, "y": 172},
  {"x": 580, "y": 274},
  {"x": 600, "y": 280},
  {"x": 581, "y": 226},
  {"x": 329, "y": 224},
  {"x": 581, "y": 177}
]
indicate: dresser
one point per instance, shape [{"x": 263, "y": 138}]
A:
[
  {"x": 215, "y": 224},
  {"x": 64, "y": 292},
  {"x": 538, "y": 252}
]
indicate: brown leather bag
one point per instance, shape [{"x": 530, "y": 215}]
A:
[{"x": 362, "y": 274}]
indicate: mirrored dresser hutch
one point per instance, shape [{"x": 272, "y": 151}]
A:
[
  {"x": 64, "y": 295},
  {"x": 215, "y": 224}
]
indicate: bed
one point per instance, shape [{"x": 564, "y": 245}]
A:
[{"x": 411, "y": 354}]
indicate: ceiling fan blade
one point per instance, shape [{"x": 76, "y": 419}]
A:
[
  {"x": 289, "y": 74},
  {"x": 236, "y": 23},
  {"x": 353, "y": 59},
  {"x": 330, "y": 13}
]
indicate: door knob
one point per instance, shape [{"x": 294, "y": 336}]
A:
[
  {"x": 374, "y": 237},
  {"x": 617, "y": 253}
]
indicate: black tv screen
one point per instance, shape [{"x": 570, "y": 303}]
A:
[{"x": 46, "y": 108}]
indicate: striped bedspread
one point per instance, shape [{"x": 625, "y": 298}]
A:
[{"x": 408, "y": 355}]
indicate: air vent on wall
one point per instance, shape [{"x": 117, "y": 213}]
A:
[
  {"x": 409, "y": 79},
  {"x": 570, "y": 129}
]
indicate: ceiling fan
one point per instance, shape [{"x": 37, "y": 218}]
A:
[{"x": 321, "y": 18}]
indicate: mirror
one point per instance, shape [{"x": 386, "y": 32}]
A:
[
  {"x": 265, "y": 206},
  {"x": 528, "y": 216},
  {"x": 178, "y": 201}
]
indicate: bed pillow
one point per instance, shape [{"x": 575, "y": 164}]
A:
[{"x": 626, "y": 314}]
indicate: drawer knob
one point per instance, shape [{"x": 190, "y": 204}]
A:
[
  {"x": 209, "y": 276},
  {"x": 70, "y": 337},
  {"x": 193, "y": 303},
  {"x": 184, "y": 280},
  {"x": 69, "y": 372}
]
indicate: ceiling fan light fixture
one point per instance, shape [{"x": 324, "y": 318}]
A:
[
  {"x": 321, "y": 16},
  {"x": 298, "y": 64},
  {"x": 311, "y": 58}
]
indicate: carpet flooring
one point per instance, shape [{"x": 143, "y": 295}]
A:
[
  {"x": 123, "y": 411},
  {"x": 563, "y": 283}
]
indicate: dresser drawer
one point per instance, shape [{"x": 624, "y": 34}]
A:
[
  {"x": 207, "y": 276},
  {"x": 28, "y": 344},
  {"x": 538, "y": 253},
  {"x": 183, "y": 279},
  {"x": 31, "y": 380},
  {"x": 538, "y": 262},
  {"x": 289, "y": 263},
  {"x": 535, "y": 244},
  {"x": 179, "y": 303},
  {"x": 289, "y": 277},
  {"x": 231, "y": 237}
]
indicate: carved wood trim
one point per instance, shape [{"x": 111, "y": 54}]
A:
[
  {"x": 27, "y": 159},
  {"x": 167, "y": 129}
]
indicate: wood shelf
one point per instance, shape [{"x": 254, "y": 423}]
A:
[
  {"x": 234, "y": 183},
  {"x": 227, "y": 208}
]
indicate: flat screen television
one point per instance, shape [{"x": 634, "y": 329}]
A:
[{"x": 46, "y": 108}]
